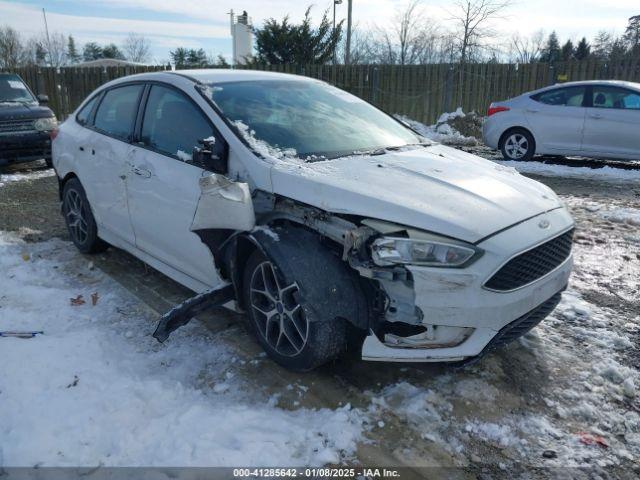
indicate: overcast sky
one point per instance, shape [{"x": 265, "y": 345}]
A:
[{"x": 205, "y": 23}]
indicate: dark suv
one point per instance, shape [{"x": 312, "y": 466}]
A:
[{"x": 25, "y": 125}]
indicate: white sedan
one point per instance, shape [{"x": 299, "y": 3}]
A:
[
  {"x": 599, "y": 119},
  {"x": 314, "y": 213}
]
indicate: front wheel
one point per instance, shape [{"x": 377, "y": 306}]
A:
[
  {"x": 286, "y": 329},
  {"x": 518, "y": 144},
  {"x": 79, "y": 219}
]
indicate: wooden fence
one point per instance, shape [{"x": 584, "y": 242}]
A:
[{"x": 421, "y": 92}]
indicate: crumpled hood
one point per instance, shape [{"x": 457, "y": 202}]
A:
[{"x": 437, "y": 188}]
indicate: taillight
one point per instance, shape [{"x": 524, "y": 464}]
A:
[
  {"x": 53, "y": 134},
  {"x": 494, "y": 109}
]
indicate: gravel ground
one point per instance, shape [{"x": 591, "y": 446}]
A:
[{"x": 565, "y": 396}]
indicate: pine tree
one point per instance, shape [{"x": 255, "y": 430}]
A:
[
  {"x": 632, "y": 33},
  {"x": 92, "y": 51},
  {"x": 602, "y": 45},
  {"x": 583, "y": 50},
  {"x": 72, "y": 52},
  {"x": 566, "y": 52},
  {"x": 551, "y": 51},
  {"x": 112, "y": 51},
  {"x": 283, "y": 42}
]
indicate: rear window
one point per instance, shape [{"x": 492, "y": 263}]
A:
[
  {"x": 117, "y": 111},
  {"x": 566, "y": 97},
  {"x": 13, "y": 90},
  {"x": 85, "y": 114}
]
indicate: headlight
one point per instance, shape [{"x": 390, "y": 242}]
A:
[
  {"x": 433, "y": 253},
  {"x": 45, "y": 124}
]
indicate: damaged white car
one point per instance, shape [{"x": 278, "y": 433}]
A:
[{"x": 330, "y": 223}]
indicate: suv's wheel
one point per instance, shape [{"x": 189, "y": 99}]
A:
[
  {"x": 79, "y": 219},
  {"x": 518, "y": 144},
  {"x": 285, "y": 327}
]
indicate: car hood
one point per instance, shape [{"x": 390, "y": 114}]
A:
[
  {"x": 15, "y": 111},
  {"x": 435, "y": 188}
]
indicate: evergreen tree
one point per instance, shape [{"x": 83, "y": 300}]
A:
[
  {"x": 92, "y": 51},
  {"x": 566, "y": 52},
  {"x": 632, "y": 33},
  {"x": 41, "y": 54},
  {"x": 583, "y": 50},
  {"x": 72, "y": 52},
  {"x": 112, "y": 51},
  {"x": 602, "y": 45},
  {"x": 551, "y": 52},
  {"x": 179, "y": 57},
  {"x": 283, "y": 42},
  {"x": 196, "y": 58}
]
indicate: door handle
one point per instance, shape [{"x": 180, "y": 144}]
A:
[
  {"x": 143, "y": 172},
  {"x": 596, "y": 116},
  {"x": 532, "y": 110}
]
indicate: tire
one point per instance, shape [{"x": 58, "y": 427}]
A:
[
  {"x": 518, "y": 144},
  {"x": 289, "y": 331},
  {"x": 79, "y": 219}
]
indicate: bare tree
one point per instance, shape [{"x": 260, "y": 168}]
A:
[
  {"x": 56, "y": 47},
  {"x": 12, "y": 50},
  {"x": 472, "y": 18},
  {"x": 527, "y": 49},
  {"x": 136, "y": 48}
]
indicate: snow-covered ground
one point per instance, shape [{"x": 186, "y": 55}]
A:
[
  {"x": 97, "y": 389},
  {"x": 19, "y": 177}
]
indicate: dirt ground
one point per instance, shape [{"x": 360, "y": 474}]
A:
[{"x": 540, "y": 402}]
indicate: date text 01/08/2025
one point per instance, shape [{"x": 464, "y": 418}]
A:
[{"x": 316, "y": 472}]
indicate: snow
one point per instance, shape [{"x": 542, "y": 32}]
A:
[
  {"x": 546, "y": 169},
  {"x": 265, "y": 229},
  {"x": 22, "y": 176},
  {"x": 97, "y": 389},
  {"x": 441, "y": 131},
  {"x": 184, "y": 156}
]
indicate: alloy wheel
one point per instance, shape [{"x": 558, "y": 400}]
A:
[
  {"x": 279, "y": 317},
  {"x": 516, "y": 146},
  {"x": 75, "y": 215}
]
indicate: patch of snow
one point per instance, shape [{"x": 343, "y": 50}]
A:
[
  {"x": 267, "y": 230},
  {"x": 630, "y": 216},
  {"x": 547, "y": 169},
  {"x": 501, "y": 435},
  {"x": 26, "y": 176},
  {"x": 84, "y": 393},
  {"x": 440, "y": 132},
  {"x": 184, "y": 156}
]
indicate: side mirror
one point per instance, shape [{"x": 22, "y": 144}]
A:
[
  {"x": 43, "y": 99},
  {"x": 213, "y": 155}
]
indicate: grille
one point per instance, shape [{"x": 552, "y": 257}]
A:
[
  {"x": 522, "y": 325},
  {"x": 532, "y": 264},
  {"x": 11, "y": 126}
]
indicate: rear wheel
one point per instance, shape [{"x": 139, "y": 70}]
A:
[
  {"x": 518, "y": 144},
  {"x": 286, "y": 329},
  {"x": 79, "y": 219}
]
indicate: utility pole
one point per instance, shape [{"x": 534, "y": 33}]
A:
[
  {"x": 335, "y": 2},
  {"x": 347, "y": 54},
  {"x": 46, "y": 29}
]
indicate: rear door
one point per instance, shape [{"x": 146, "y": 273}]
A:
[
  {"x": 106, "y": 149},
  {"x": 613, "y": 122},
  {"x": 556, "y": 118},
  {"x": 163, "y": 186}
]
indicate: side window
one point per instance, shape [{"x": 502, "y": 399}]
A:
[
  {"x": 172, "y": 124},
  {"x": 566, "y": 97},
  {"x": 117, "y": 111},
  {"x": 615, "y": 97},
  {"x": 83, "y": 115}
]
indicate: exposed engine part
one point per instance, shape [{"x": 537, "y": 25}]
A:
[{"x": 182, "y": 314}]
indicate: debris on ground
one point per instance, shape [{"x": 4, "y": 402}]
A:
[{"x": 77, "y": 301}]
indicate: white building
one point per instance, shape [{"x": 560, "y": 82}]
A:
[{"x": 242, "y": 37}]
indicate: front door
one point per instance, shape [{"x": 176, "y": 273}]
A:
[
  {"x": 163, "y": 186},
  {"x": 106, "y": 149},
  {"x": 613, "y": 123},
  {"x": 556, "y": 118}
]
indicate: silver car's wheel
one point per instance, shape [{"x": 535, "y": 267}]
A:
[
  {"x": 518, "y": 144},
  {"x": 280, "y": 319}
]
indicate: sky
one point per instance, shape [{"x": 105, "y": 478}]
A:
[{"x": 168, "y": 24}]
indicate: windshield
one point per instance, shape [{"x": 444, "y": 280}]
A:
[
  {"x": 12, "y": 89},
  {"x": 312, "y": 118}
]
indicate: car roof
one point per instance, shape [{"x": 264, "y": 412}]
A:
[
  {"x": 222, "y": 75},
  {"x": 617, "y": 83}
]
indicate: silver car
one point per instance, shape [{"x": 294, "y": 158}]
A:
[{"x": 599, "y": 119}]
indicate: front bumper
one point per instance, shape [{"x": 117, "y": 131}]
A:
[
  {"x": 24, "y": 147},
  {"x": 457, "y": 297}
]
